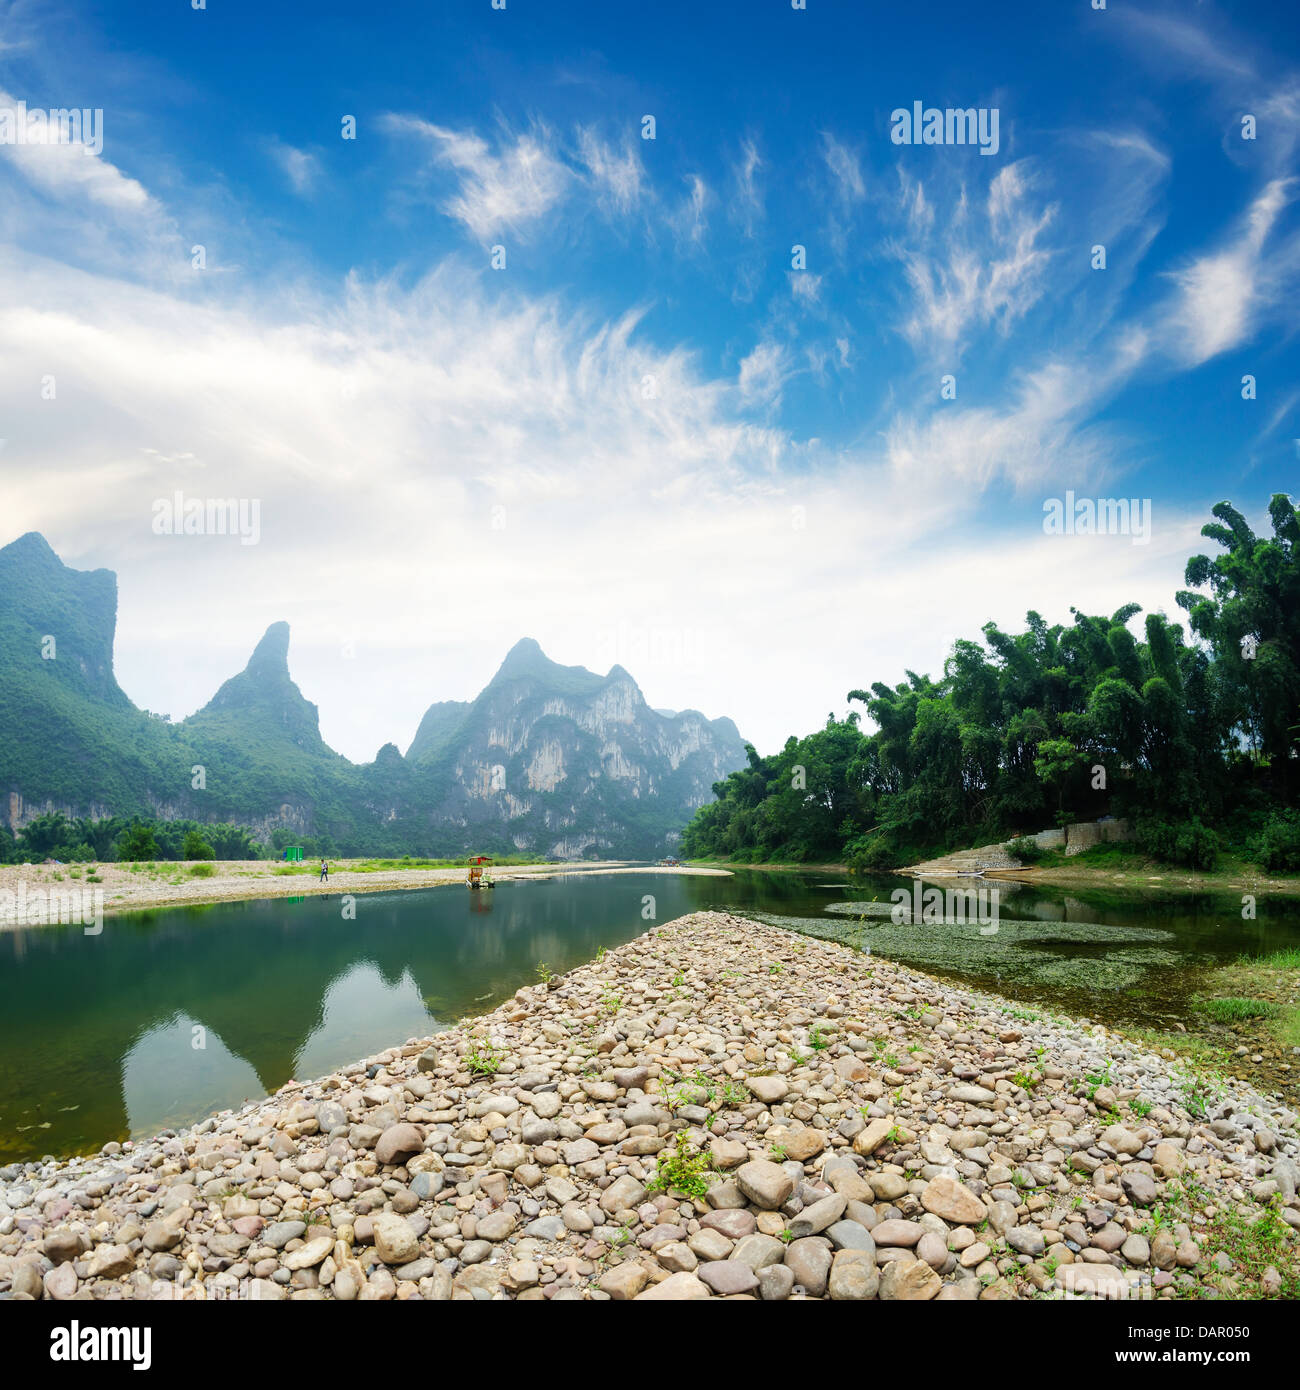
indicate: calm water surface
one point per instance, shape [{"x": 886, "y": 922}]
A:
[{"x": 171, "y": 1014}]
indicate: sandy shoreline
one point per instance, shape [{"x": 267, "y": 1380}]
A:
[{"x": 135, "y": 889}]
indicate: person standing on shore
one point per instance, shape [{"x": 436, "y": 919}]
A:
[{"x": 324, "y": 871}]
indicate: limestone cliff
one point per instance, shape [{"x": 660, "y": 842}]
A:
[{"x": 549, "y": 759}]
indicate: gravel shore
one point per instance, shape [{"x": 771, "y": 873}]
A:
[{"x": 718, "y": 1109}]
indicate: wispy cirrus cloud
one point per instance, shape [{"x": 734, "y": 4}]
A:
[
  {"x": 616, "y": 175},
  {"x": 1172, "y": 36},
  {"x": 746, "y": 202},
  {"x": 763, "y": 372},
  {"x": 506, "y": 188},
  {"x": 689, "y": 218},
  {"x": 1223, "y": 296},
  {"x": 842, "y": 189},
  {"x": 1247, "y": 77},
  {"x": 301, "y": 168},
  {"x": 522, "y": 180},
  {"x": 845, "y": 167},
  {"x": 985, "y": 271}
]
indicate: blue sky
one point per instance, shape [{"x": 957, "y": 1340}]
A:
[{"x": 647, "y": 439}]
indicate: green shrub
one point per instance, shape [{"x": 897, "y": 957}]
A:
[
  {"x": 203, "y": 870},
  {"x": 683, "y": 1169},
  {"x": 484, "y": 1063},
  {"x": 1278, "y": 846},
  {"x": 1026, "y": 849},
  {"x": 1188, "y": 843},
  {"x": 868, "y": 852}
]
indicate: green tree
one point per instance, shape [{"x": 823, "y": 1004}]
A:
[
  {"x": 1056, "y": 761},
  {"x": 45, "y": 836},
  {"x": 196, "y": 847},
  {"x": 1251, "y": 620},
  {"x": 137, "y": 843}
]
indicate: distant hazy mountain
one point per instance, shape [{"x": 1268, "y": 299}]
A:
[{"x": 551, "y": 759}]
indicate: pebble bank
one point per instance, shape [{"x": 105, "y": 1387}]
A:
[{"x": 718, "y": 1109}]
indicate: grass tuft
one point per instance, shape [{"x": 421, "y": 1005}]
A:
[{"x": 1232, "y": 1010}]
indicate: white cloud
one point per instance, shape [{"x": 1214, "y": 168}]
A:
[
  {"x": 1279, "y": 114},
  {"x": 1221, "y": 295},
  {"x": 1280, "y": 413},
  {"x": 763, "y": 373},
  {"x": 300, "y": 167},
  {"x": 989, "y": 273},
  {"x": 617, "y": 176},
  {"x": 74, "y": 170},
  {"x": 805, "y": 285},
  {"x": 1192, "y": 46},
  {"x": 746, "y": 206},
  {"x": 1042, "y": 432},
  {"x": 845, "y": 168},
  {"x": 499, "y": 191},
  {"x": 67, "y": 200},
  {"x": 689, "y": 221},
  {"x": 919, "y": 212},
  {"x": 1245, "y": 78}
]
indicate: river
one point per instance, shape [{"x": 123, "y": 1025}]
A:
[{"x": 171, "y": 1014}]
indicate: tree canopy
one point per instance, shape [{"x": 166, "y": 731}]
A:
[{"x": 1178, "y": 730}]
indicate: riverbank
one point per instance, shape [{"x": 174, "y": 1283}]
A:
[
  {"x": 1151, "y": 875},
  {"x": 1247, "y": 1021},
  {"x": 717, "y": 1109},
  {"x": 1078, "y": 873},
  {"x": 137, "y": 887}
]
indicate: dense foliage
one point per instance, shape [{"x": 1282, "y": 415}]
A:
[
  {"x": 111, "y": 838},
  {"x": 1195, "y": 738}
]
